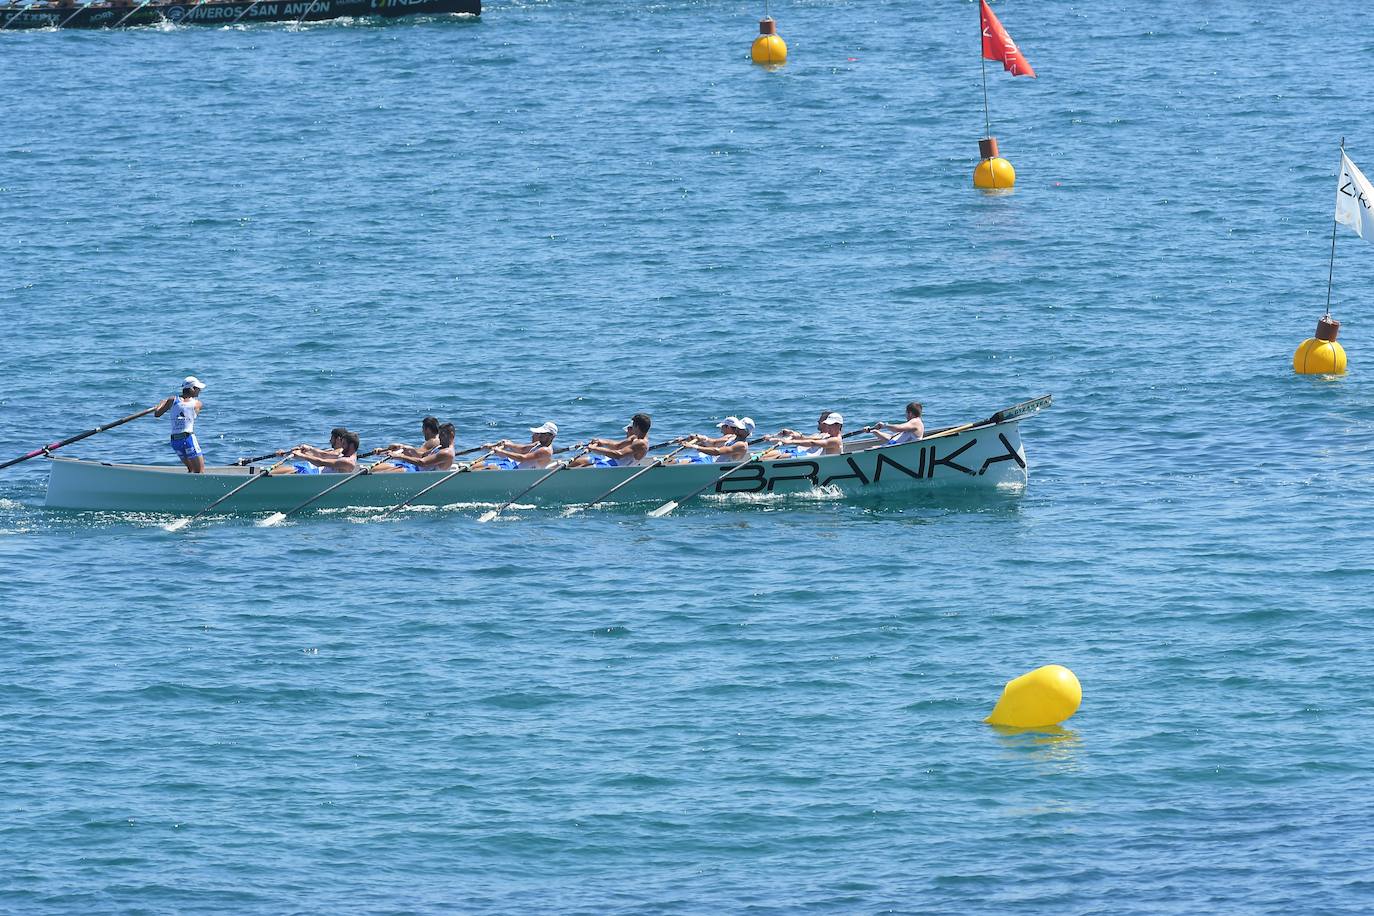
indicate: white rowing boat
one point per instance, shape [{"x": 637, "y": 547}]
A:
[{"x": 976, "y": 456}]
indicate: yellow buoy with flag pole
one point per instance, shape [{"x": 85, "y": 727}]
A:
[
  {"x": 768, "y": 49},
  {"x": 993, "y": 173},
  {"x": 1321, "y": 355}
]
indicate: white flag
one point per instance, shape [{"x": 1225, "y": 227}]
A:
[{"x": 1355, "y": 200}]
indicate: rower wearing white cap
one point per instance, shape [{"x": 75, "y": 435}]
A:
[
  {"x": 619, "y": 453},
  {"x": 826, "y": 441},
  {"x": 732, "y": 445},
  {"x": 185, "y": 409},
  {"x": 901, "y": 433},
  {"x": 537, "y": 453}
]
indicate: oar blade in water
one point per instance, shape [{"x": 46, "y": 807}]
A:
[
  {"x": 663, "y": 509},
  {"x": 272, "y": 520},
  {"x": 176, "y": 525},
  {"x": 487, "y": 516}
]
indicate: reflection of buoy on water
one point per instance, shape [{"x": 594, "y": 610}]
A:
[
  {"x": 769, "y": 48},
  {"x": 993, "y": 173},
  {"x": 1039, "y": 698},
  {"x": 1321, "y": 355}
]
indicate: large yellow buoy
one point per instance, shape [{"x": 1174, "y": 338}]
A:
[
  {"x": 1321, "y": 355},
  {"x": 769, "y": 48},
  {"x": 1037, "y": 699},
  {"x": 993, "y": 173}
]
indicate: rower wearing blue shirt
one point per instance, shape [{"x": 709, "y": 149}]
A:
[
  {"x": 184, "y": 410},
  {"x": 901, "y": 433},
  {"x": 618, "y": 453}
]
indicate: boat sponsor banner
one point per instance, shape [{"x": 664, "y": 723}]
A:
[{"x": 1354, "y": 200}]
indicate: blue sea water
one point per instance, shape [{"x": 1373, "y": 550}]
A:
[{"x": 574, "y": 211}]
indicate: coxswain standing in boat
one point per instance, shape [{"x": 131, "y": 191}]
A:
[
  {"x": 185, "y": 409},
  {"x": 439, "y": 458},
  {"x": 510, "y": 456},
  {"x": 732, "y": 445},
  {"x": 340, "y": 458},
  {"x": 618, "y": 453},
  {"x": 407, "y": 457},
  {"x": 792, "y": 444},
  {"x": 901, "y": 433}
]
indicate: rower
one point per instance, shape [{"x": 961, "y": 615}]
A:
[
  {"x": 901, "y": 433},
  {"x": 185, "y": 409},
  {"x": 510, "y": 456},
  {"x": 439, "y": 458},
  {"x": 340, "y": 458},
  {"x": 407, "y": 457},
  {"x": 731, "y": 445},
  {"x": 792, "y": 444},
  {"x": 618, "y": 453}
]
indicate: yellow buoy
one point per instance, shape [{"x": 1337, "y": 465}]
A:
[
  {"x": 1321, "y": 355},
  {"x": 993, "y": 173},
  {"x": 1037, "y": 699},
  {"x": 769, "y": 48}
]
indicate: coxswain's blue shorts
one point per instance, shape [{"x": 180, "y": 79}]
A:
[{"x": 186, "y": 447}]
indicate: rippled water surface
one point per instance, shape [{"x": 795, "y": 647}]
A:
[{"x": 574, "y": 211}]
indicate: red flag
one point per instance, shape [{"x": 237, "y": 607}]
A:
[{"x": 997, "y": 45}]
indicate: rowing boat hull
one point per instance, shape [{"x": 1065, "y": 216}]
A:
[
  {"x": 224, "y": 13},
  {"x": 981, "y": 458}
]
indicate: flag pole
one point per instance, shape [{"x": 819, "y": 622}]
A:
[
  {"x": 987, "y": 123},
  {"x": 1331, "y": 268}
]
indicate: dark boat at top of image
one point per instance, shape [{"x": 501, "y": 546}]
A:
[{"x": 109, "y": 14}]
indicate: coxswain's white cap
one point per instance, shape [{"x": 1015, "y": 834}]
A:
[
  {"x": 833, "y": 418},
  {"x": 192, "y": 382},
  {"x": 550, "y": 428}
]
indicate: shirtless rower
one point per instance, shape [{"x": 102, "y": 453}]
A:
[
  {"x": 618, "y": 453},
  {"x": 407, "y": 456},
  {"x": 901, "y": 433},
  {"x": 185, "y": 409},
  {"x": 439, "y": 458},
  {"x": 340, "y": 458},
  {"x": 509, "y": 456},
  {"x": 792, "y": 444},
  {"x": 731, "y": 445}
]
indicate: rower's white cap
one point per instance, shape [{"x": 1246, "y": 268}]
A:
[
  {"x": 551, "y": 428},
  {"x": 192, "y": 382},
  {"x": 743, "y": 423},
  {"x": 833, "y": 418}
]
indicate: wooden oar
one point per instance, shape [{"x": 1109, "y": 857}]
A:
[
  {"x": 440, "y": 482},
  {"x": 77, "y": 438},
  {"x": 658, "y": 462},
  {"x": 277, "y": 517},
  {"x": 252, "y": 478},
  {"x": 492, "y": 513}
]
